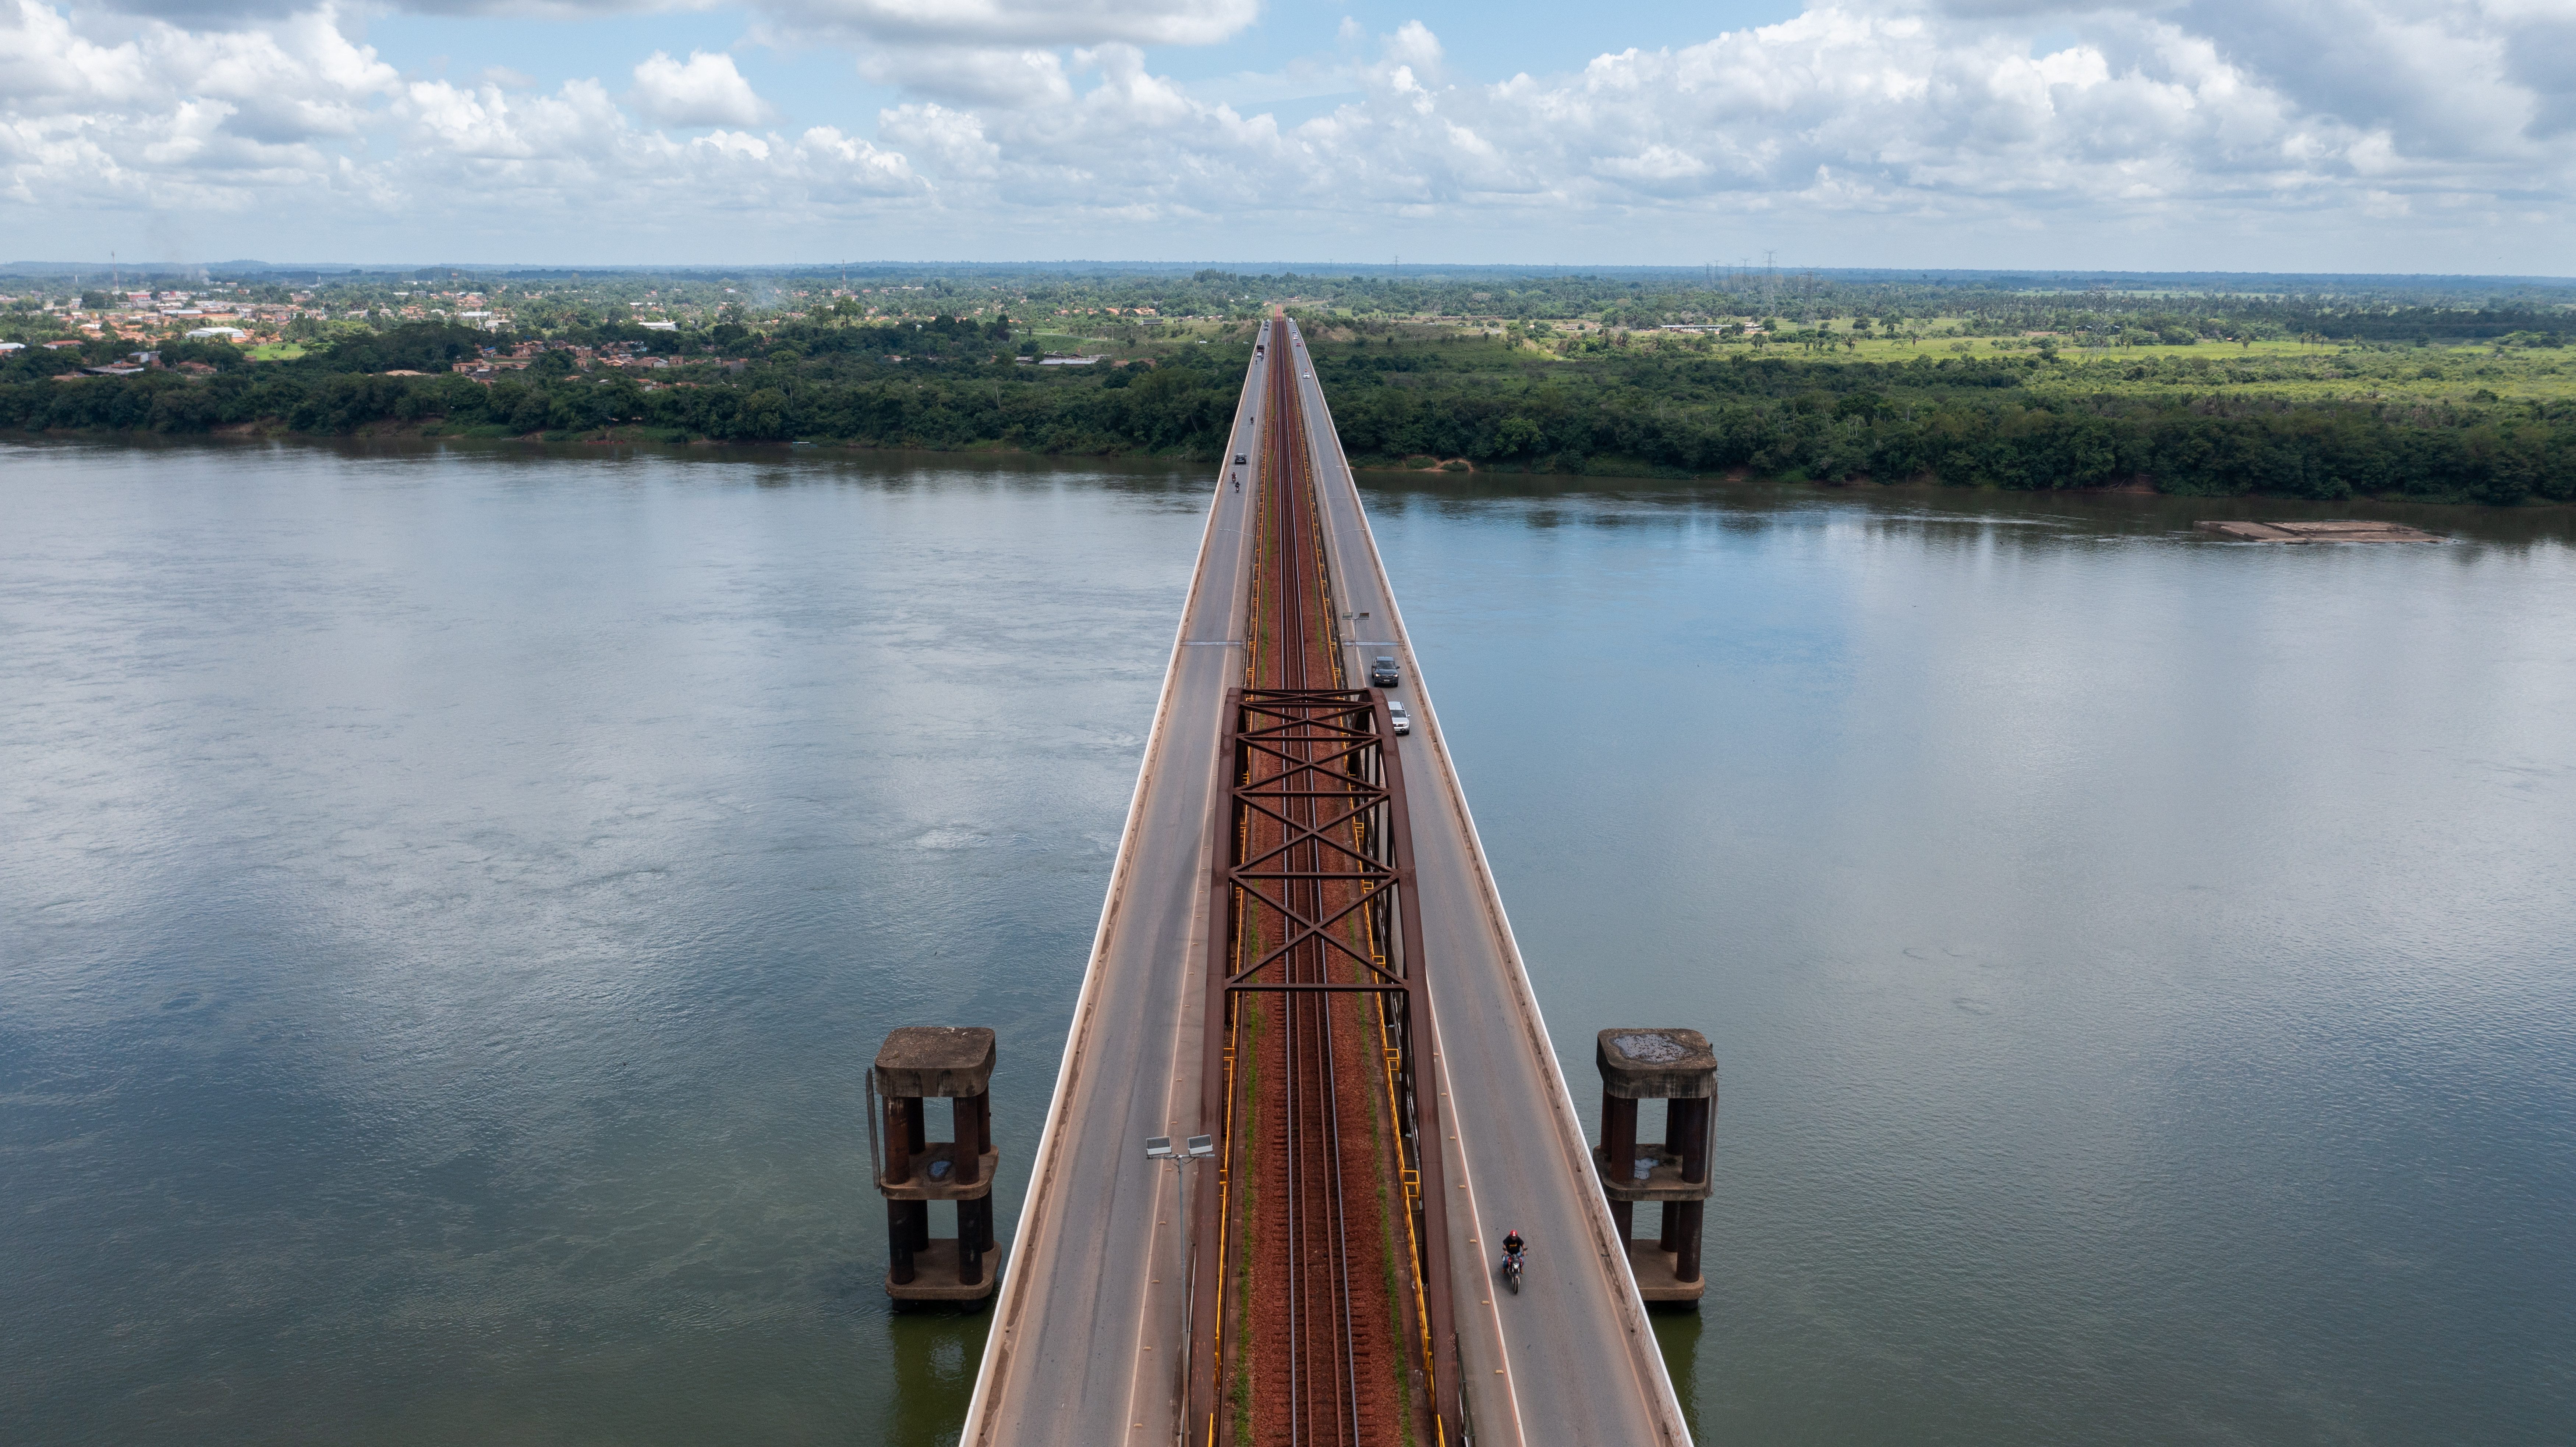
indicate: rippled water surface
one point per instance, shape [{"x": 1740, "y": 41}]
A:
[{"x": 447, "y": 899}]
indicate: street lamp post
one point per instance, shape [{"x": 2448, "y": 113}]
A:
[{"x": 1193, "y": 1151}]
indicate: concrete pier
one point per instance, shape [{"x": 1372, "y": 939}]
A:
[
  {"x": 919, "y": 1063},
  {"x": 1678, "y": 1068}
]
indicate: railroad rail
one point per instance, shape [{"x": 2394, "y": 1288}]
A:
[
  {"x": 1298, "y": 891},
  {"x": 1321, "y": 1282}
]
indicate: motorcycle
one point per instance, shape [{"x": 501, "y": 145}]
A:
[{"x": 1512, "y": 1272}]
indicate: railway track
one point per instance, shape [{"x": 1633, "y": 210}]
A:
[
  {"x": 1324, "y": 1363},
  {"x": 1127, "y": 1321}
]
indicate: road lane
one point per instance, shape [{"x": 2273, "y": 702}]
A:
[
  {"x": 1573, "y": 1353},
  {"x": 1087, "y": 1341},
  {"x": 1088, "y": 1333}
]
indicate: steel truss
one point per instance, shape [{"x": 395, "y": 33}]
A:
[{"x": 1335, "y": 748}]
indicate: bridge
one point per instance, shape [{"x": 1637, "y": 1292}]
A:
[{"x": 1303, "y": 958}]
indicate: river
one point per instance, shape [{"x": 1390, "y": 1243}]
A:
[{"x": 449, "y": 895}]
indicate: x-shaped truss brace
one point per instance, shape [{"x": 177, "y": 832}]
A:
[{"x": 1344, "y": 724}]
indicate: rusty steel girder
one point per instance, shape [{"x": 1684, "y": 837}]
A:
[{"x": 1330, "y": 756}]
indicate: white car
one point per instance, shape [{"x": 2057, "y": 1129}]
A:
[{"x": 1395, "y": 711}]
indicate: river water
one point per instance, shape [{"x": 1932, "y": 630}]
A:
[{"x": 448, "y": 897}]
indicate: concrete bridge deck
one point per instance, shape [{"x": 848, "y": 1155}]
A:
[{"x": 1090, "y": 1330}]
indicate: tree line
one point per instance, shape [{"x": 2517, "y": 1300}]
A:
[
  {"x": 2001, "y": 421},
  {"x": 1963, "y": 421}
]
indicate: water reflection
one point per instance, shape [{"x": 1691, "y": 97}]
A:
[
  {"x": 453, "y": 894},
  {"x": 1754, "y": 504},
  {"x": 933, "y": 1352},
  {"x": 449, "y": 895},
  {"x": 1678, "y": 1333},
  {"x": 2138, "y": 964}
]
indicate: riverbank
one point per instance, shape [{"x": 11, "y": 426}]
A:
[
  {"x": 2125, "y": 509},
  {"x": 2350, "y": 424}
]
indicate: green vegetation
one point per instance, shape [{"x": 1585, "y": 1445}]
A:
[
  {"x": 1394, "y": 1269},
  {"x": 1246, "y": 1208},
  {"x": 2310, "y": 387},
  {"x": 2446, "y": 423}
]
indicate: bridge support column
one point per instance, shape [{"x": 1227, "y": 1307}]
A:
[
  {"x": 1686, "y": 1242},
  {"x": 900, "y": 1236},
  {"x": 970, "y": 1240},
  {"x": 920, "y": 1062},
  {"x": 899, "y": 1139},
  {"x": 1619, "y": 1147},
  {"x": 1678, "y": 1068}
]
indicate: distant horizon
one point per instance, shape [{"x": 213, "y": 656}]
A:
[{"x": 1329, "y": 266}]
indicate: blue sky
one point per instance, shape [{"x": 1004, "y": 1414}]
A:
[
  {"x": 1272, "y": 64},
  {"x": 2366, "y": 135},
  {"x": 1291, "y": 61}
]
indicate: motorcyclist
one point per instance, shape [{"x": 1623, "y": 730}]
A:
[{"x": 1513, "y": 1245}]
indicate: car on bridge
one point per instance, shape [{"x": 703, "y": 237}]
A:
[
  {"x": 1395, "y": 713},
  {"x": 1383, "y": 672}
]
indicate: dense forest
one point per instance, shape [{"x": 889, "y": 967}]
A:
[
  {"x": 2003, "y": 422},
  {"x": 953, "y": 384},
  {"x": 2389, "y": 392}
]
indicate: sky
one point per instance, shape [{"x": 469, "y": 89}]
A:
[{"x": 2434, "y": 136}]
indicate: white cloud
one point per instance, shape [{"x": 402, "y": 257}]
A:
[
  {"x": 296, "y": 77},
  {"x": 292, "y": 119},
  {"x": 2437, "y": 73},
  {"x": 952, "y": 143},
  {"x": 2357, "y": 118},
  {"x": 1014, "y": 24},
  {"x": 573, "y": 154},
  {"x": 972, "y": 75},
  {"x": 1414, "y": 47},
  {"x": 704, "y": 90},
  {"x": 1834, "y": 117}
]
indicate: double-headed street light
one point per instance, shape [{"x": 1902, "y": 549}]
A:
[{"x": 1196, "y": 1148}]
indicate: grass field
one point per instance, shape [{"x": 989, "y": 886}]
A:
[
  {"x": 2292, "y": 371},
  {"x": 2289, "y": 371}
]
